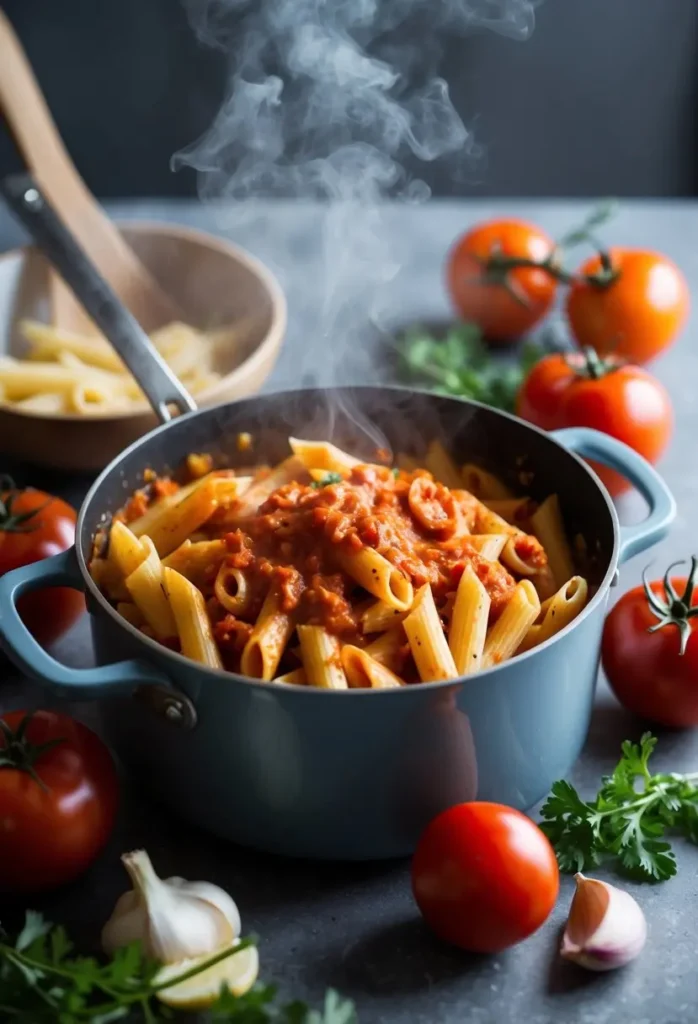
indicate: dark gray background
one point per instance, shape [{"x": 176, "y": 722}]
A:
[{"x": 600, "y": 100}]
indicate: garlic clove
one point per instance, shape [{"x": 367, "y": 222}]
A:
[
  {"x": 606, "y": 927},
  {"x": 173, "y": 919}
]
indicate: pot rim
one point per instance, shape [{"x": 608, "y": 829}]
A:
[{"x": 220, "y": 674}]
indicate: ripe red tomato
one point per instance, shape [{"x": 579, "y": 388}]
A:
[
  {"x": 505, "y": 301},
  {"x": 581, "y": 390},
  {"x": 58, "y": 799},
  {"x": 638, "y": 314},
  {"x": 484, "y": 876},
  {"x": 35, "y": 525},
  {"x": 650, "y": 650}
]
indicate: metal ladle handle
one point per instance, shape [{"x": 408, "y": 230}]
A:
[{"x": 119, "y": 327}]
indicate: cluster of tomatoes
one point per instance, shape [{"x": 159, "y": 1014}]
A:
[{"x": 623, "y": 306}]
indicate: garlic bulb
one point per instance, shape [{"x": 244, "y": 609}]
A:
[
  {"x": 173, "y": 919},
  {"x": 605, "y": 928}
]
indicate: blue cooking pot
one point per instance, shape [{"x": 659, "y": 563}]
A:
[{"x": 354, "y": 774}]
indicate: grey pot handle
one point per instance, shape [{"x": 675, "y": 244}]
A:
[{"x": 121, "y": 329}]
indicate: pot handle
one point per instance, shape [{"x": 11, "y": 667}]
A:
[
  {"x": 592, "y": 444},
  {"x": 73, "y": 683}
]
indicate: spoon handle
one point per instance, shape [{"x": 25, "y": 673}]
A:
[
  {"x": 118, "y": 325},
  {"x": 29, "y": 120}
]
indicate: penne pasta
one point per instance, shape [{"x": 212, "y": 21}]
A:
[
  {"x": 323, "y": 456},
  {"x": 388, "y": 648},
  {"x": 295, "y": 678},
  {"x": 547, "y": 525},
  {"x": 441, "y": 465},
  {"x": 53, "y": 341},
  {"x": 379, "y": 578},
  {"x": 232, "y": 589},
  {"x": 469, "y": 623},
  {"x": 557, "y": 612},
  {"x": 364, "y": 672},
  {"x": 377, "y": 575},
  {"x": 489, "y": 545},
  {"x": 125, "y": 550},
  {"x": 380, "y": 616},
  {"x": 322, "y": 658},
  {"x": 424, "y": 631},
  {"x": 191, "y": 619},
  {"x": 482, "y": 484},
  {"x": 268, "y": 640},
  {"x": 508, "y": 632},
  {"x": 145, "y": 585}
]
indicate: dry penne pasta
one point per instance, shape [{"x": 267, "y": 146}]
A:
[{"x": 329, "y": 572}]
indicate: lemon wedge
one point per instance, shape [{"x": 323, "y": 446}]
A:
[{"x": 237, "y": 973}]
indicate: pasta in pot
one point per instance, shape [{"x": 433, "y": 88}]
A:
[{"x": 329, "y": 572}]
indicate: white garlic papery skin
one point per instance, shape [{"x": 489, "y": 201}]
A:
[
  {"x": 605, "y": 928},
  {"x": 173, "y": 919}
]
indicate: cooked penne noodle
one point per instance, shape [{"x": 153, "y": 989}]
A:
[
  {"x": 380, "y": 616},
  {"x": 268, "y": 640},
  {"x": 295, "y": 678},
  {"x": 182, "y": 518},
  {"x": 375, "y": 573},
  {"x": 198, "y": 561},
  {"x": 322, "y": 455},
  {"x": 381, "y": 560},
  {"x": 511, "y": 509},
  {"x": 232, "y": 589},
  {"x": 482, "y": 484},
  {"x": 489, "y": 545},
  {"x": 408, "y": 463},
  {"x": 257, "y": 493},
  {"x": 322, "y": 658},
  {"x": 192, "y": 621},
  {"x": 424, "y": 631},
  {"x": 557, "y": 612},
  {"x": 125, "y": 550},
  {"x": 145, "y": 585},
  {"x": 469, "y": 623},
  {"x": 131, "y": 613},
  {"x": 48, "y": 402},
  {"x": 364, "y": 672},
  {"x": 548, "y": 527},
  {"x": 441, "y": 465},
  {"x": 388, "y": 648},
  {"x": 506, "y": 635}
]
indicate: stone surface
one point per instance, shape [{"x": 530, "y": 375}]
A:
[{"x": 355, "y": 927}]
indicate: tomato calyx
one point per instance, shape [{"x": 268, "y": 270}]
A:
[
  {"x": 676, "y": 610},
  {"x": 18, "y": 753},
  {"x": 606, "y": 275},
  {"x": 11, "y": 521},
  {"x": 592, "y": 366},
  {"x": 497, "y": 267}
]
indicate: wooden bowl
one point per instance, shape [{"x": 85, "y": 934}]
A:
[{"x": 217, "y": 284}]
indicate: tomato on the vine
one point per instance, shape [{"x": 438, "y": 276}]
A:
[
  {"x": 35, "y": 525},
  {"x": 484, "y": 876},
  {"x": 58, "y": 799},
  {"x": 628, "y": 301},
  {"x": 582, "y": 390},
  {"x": 650, "y": 649},
  {"x": 487, "y": 286}
]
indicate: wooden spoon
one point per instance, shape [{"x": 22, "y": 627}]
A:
[{"x": 37, "y": 138}]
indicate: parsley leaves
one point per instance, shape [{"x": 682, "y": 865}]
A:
[
  {"x": 43, "y": 982},
  {"x": 459, "y": 364},
  {"x": 326, "y": 479},
  {"x": 626, "y": 822}
]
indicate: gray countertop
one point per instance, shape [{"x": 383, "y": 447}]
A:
[{"x": 355, "y": 927}]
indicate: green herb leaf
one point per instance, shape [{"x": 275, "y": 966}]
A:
[
  {"x": 326, "y": 480},
  {"x": 626, "y": 823},
  {"x": 460, "y": 365},
  {"x": 42, "y": 982}
]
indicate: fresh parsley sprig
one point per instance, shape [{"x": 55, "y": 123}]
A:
[
  {"x": 459, "y": 364},
  {"x": 43, "y": 982},
  {"x": 326, "y": 479},
  {"x": 627, "y": 823}
]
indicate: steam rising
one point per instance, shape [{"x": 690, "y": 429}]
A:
[{"x": 327, "y": 102}]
